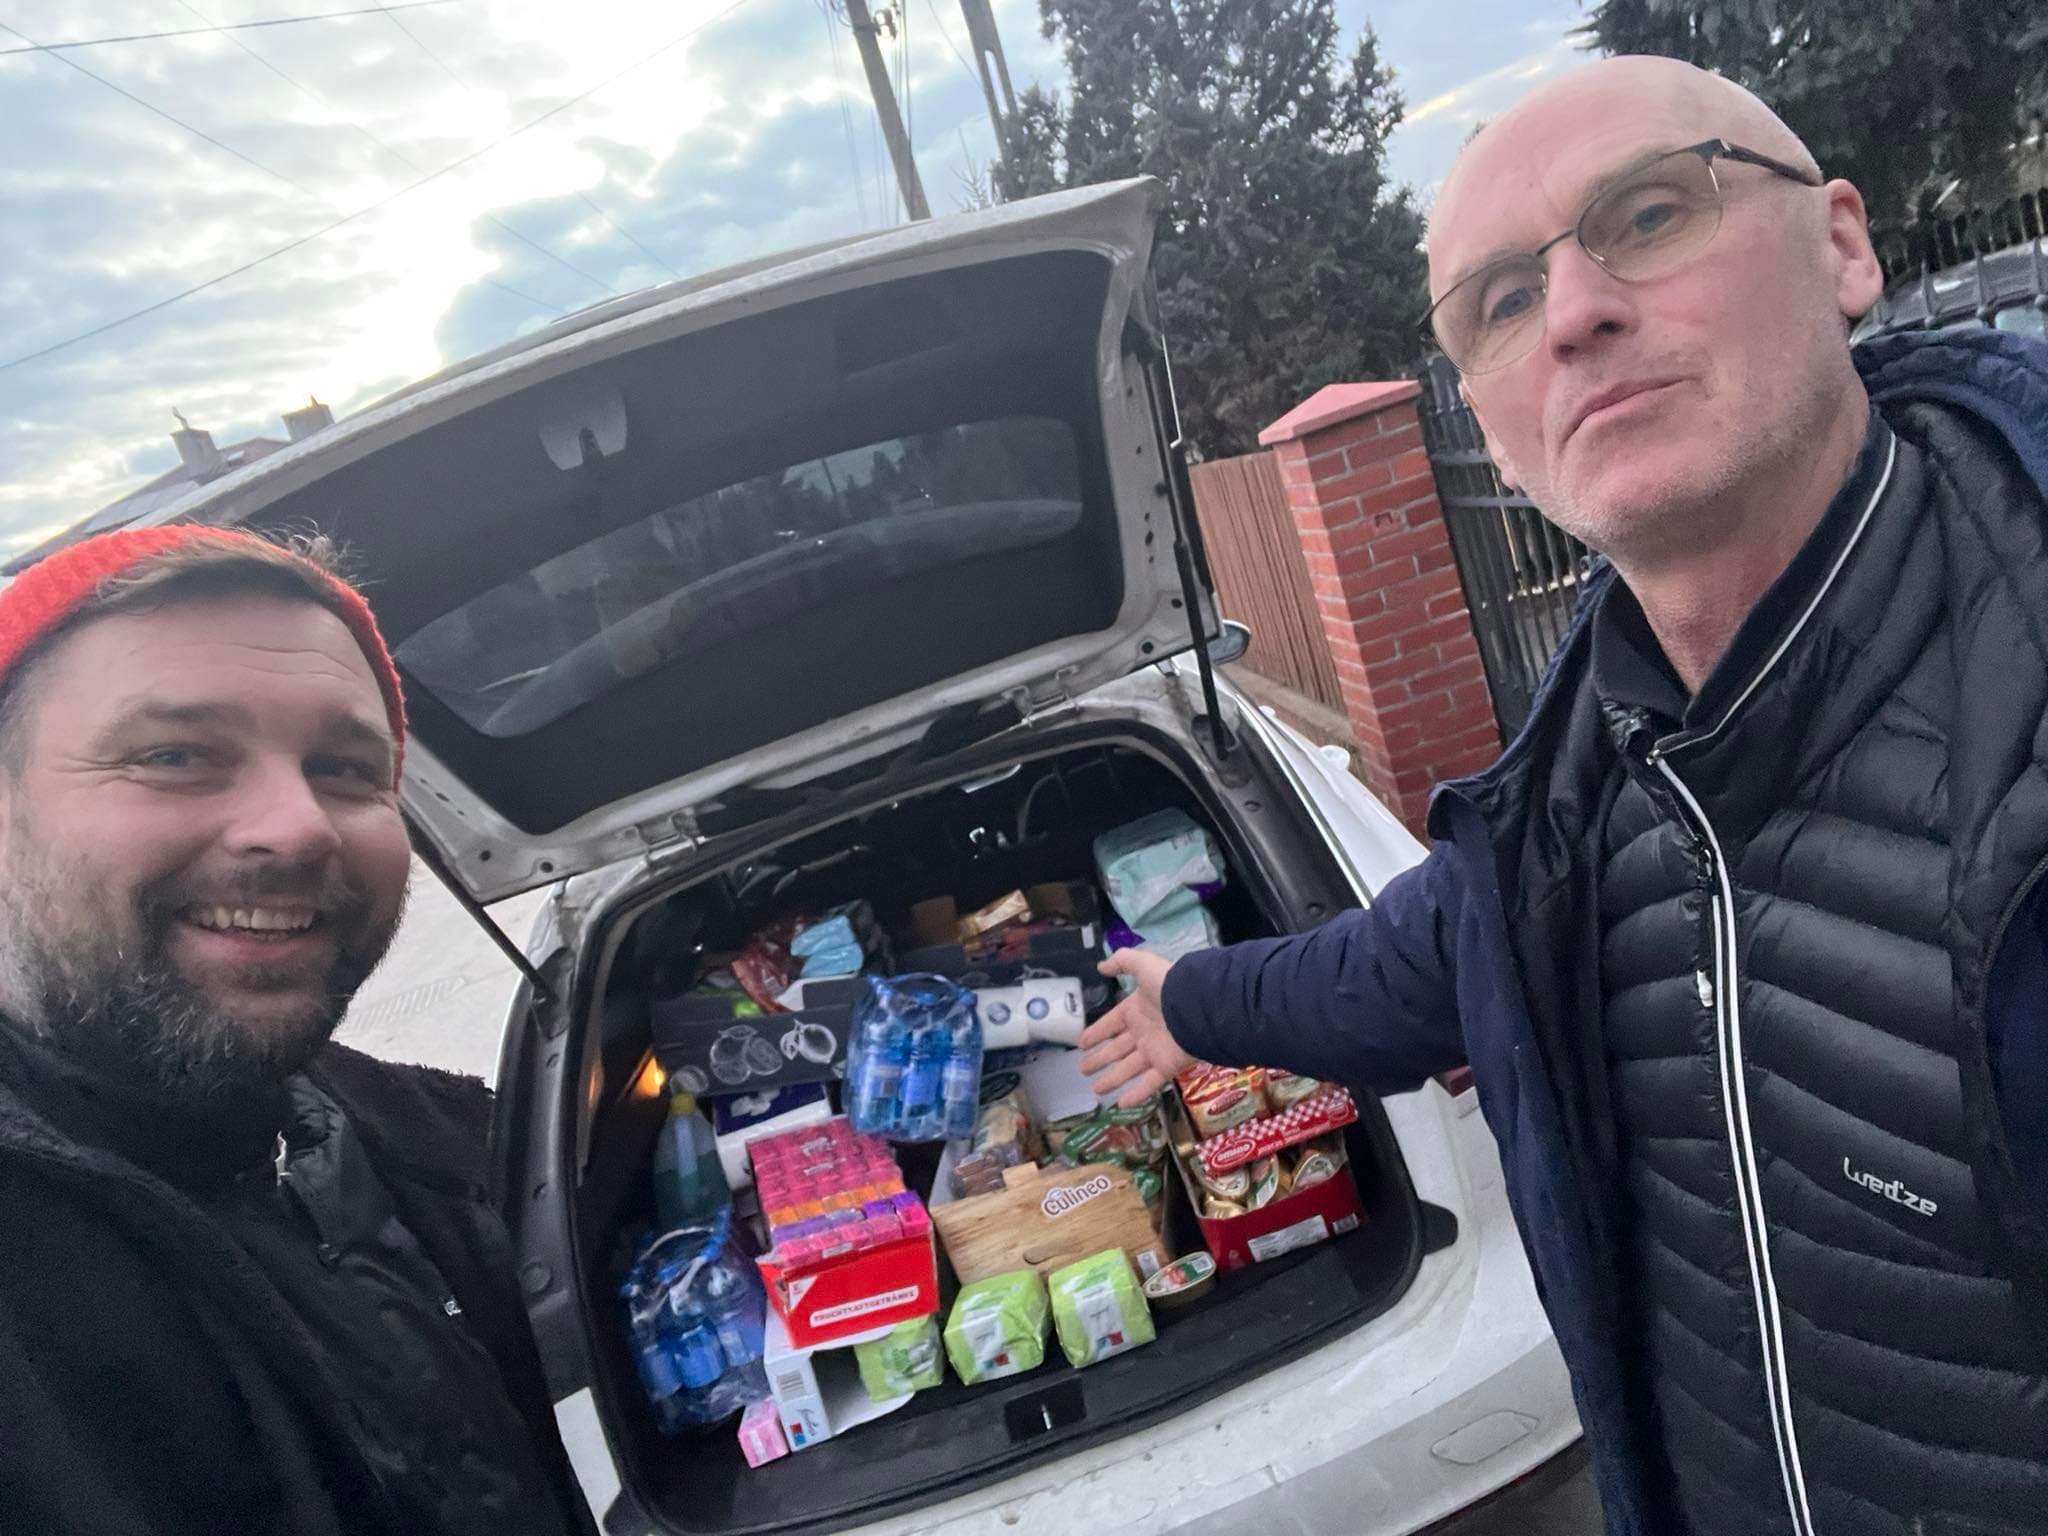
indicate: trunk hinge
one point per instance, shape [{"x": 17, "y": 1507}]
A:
[
  {"x": 670, "y": 837},
  {"x": 1047, "y": 702},
  {"x": 430, "y": 856}
]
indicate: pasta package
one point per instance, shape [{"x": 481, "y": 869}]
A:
[
  {"x": 1099, "y": 1308},
  {"x": 998, "y": 1327}
]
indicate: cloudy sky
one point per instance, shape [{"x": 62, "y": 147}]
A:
[{"x": 717, "y": 129}]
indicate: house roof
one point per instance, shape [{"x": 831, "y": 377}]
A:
[{"x": 160, "y": 492}]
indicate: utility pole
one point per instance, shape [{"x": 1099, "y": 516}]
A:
[
  {"x": 987, "y": 46},
  {"x": 864, "y": 33}
]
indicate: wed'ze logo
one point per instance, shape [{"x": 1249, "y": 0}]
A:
[
  {"x": 1071, "y": 1197},
  {"x": 1893, "y": 1190}
]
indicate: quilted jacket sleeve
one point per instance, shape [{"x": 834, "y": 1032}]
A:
[{"x": 1368, "y": 999}]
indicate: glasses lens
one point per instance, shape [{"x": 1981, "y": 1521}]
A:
[
  {"x": 1492, "y": 317},
  {"x": 1655, "y": 220}
]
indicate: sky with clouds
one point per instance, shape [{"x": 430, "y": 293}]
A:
[{"x": 720, "y": 129}]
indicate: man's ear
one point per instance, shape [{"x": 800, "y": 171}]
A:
[
  {"x": 1858, "y": 278},
  {"x": 1493, "y": 449}
]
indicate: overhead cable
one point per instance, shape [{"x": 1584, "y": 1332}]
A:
[
  {"x": 223, "y": 26},
  {"x": 385, "y": 201}
]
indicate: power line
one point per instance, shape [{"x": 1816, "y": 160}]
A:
[
  {"x": 860, "y": 195},
  {"x": 903, "y": 70},
  {"x": 224, "y": 26},
  {"x": 197, "y": 133},
  {"x": 639, "y": 245},
  {"x": 385, "y": 201},
  {"x": 932, "y": 6},
  {"x": 412, "y": 165},
  {"x": 276, "y": 175}
]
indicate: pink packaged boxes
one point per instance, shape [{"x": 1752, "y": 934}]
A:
[{"x": 852, "y": 1248}]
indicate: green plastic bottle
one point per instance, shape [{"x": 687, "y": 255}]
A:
[{"x": 689, "y": 1183}]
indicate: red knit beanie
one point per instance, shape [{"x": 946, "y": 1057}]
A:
[{"x": 52, "y": 590}]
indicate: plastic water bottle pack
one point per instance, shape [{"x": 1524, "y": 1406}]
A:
[
  {"x": 696, "y": 1315},
  {"x": 913, "y": 1066}
]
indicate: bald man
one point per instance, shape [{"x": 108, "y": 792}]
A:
[{"x": 1744, "y": 937}]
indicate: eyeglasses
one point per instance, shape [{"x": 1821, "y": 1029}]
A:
[{"x": 1649, "y": 222}]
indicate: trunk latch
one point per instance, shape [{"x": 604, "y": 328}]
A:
[{"x": 1040, "y": 1413}]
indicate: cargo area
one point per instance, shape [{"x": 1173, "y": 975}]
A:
[{"x": 926, "y": 861}]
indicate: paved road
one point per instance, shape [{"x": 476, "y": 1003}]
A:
[
  {"x": 440, "y": 999},
  {"x": 441, "y": 995}
]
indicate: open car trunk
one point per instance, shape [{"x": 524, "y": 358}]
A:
[{"x": 973, "y": 841}]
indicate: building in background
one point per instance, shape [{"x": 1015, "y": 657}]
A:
[{"x": 200, "y": 461}]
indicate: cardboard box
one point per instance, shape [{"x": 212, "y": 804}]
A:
[
  {"x": 724, "y": 1044},
  {"x": 1063, "y": 949},
  {"x": 1313, "y": 1215},
  {"x": 746, "y": 1117},
  {"x": 855, "y": 1293},
  {"x": 1044, "y": 1219},
  {"x": 818, "y": 1391}
]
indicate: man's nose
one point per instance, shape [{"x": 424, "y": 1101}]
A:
[
  {"x": 1582, "y": 302},
  {"x": 278, "y": 812}
]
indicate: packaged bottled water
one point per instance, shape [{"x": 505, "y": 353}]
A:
[
  {"x": 913, "y": 1070},
  {"x": 696, "y": 1313}
]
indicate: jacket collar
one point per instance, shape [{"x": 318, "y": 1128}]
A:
[
  {"x": 196, "y": 1145},
  {"x": 1635, "y": 683}
]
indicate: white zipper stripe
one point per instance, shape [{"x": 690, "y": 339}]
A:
[
  {"x": 1727, "y": 1005},
  {"x": 1891, "y": 458},
  {"x": 1748, "y": 1183}
]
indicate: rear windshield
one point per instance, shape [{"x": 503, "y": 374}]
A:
[{"x": 743, "y": 558}]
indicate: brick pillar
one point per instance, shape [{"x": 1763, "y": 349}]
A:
[{"x": 1379, "y": 559}]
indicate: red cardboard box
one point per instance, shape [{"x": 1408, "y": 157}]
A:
[
  {"x": 855, "y": 1293},
  {"x": 1324, "y": 1210},
  {"x": 853, "y": 1248}
]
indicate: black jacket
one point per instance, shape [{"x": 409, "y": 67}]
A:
[
  {"x": 1489, "y": 951},
  {"x": 155, "y": 1378}
]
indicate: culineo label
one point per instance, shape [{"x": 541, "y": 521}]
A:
[
  {"x": 1071, "y": 1197},
  {"x": 825, "y": 1317}
]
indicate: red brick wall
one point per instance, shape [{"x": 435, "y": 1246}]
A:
[{"x": 1379, "y": 558}]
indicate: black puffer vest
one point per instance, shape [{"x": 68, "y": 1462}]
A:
[{"x": 1806, "y": 873}]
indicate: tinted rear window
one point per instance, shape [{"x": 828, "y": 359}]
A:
[
  {"x": 579, "y": 624},
  {"x": 744, "y": 558}
]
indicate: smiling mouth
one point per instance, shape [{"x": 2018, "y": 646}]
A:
[{"x": 259, "y": 921}]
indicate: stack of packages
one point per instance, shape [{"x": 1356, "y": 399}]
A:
[
  {"x": 1262, "y": 1150},
  {"x": 1224, "y": 1099},
  {"x": 853, "y": 1284},
  {"x": 1159, "y": 873},
  {"x": 839, "y": 1320}
]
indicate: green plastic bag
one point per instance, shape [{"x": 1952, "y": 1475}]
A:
[
  {"x": 1099, "y": 1307},
  {"x": 998, "y": 1327},
  {"x": 904, "y": 1360}
]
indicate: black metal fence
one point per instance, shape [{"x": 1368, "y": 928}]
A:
[
  {"x": 1521, "y": 572},
  {"x": 1949, "y": 239}
]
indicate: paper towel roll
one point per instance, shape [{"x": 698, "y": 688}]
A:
[{"x": 1045, "y": 1009}]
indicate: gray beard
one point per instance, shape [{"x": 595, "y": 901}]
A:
[{"x": 134, "y": 1016}]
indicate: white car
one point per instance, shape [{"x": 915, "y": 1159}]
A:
[{"x": 871, "y": 571}]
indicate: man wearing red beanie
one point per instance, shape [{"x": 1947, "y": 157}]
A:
[{"x": 252, "y": 1281}]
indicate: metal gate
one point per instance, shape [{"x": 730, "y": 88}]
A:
[{"x": 1520, "y": 571}]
